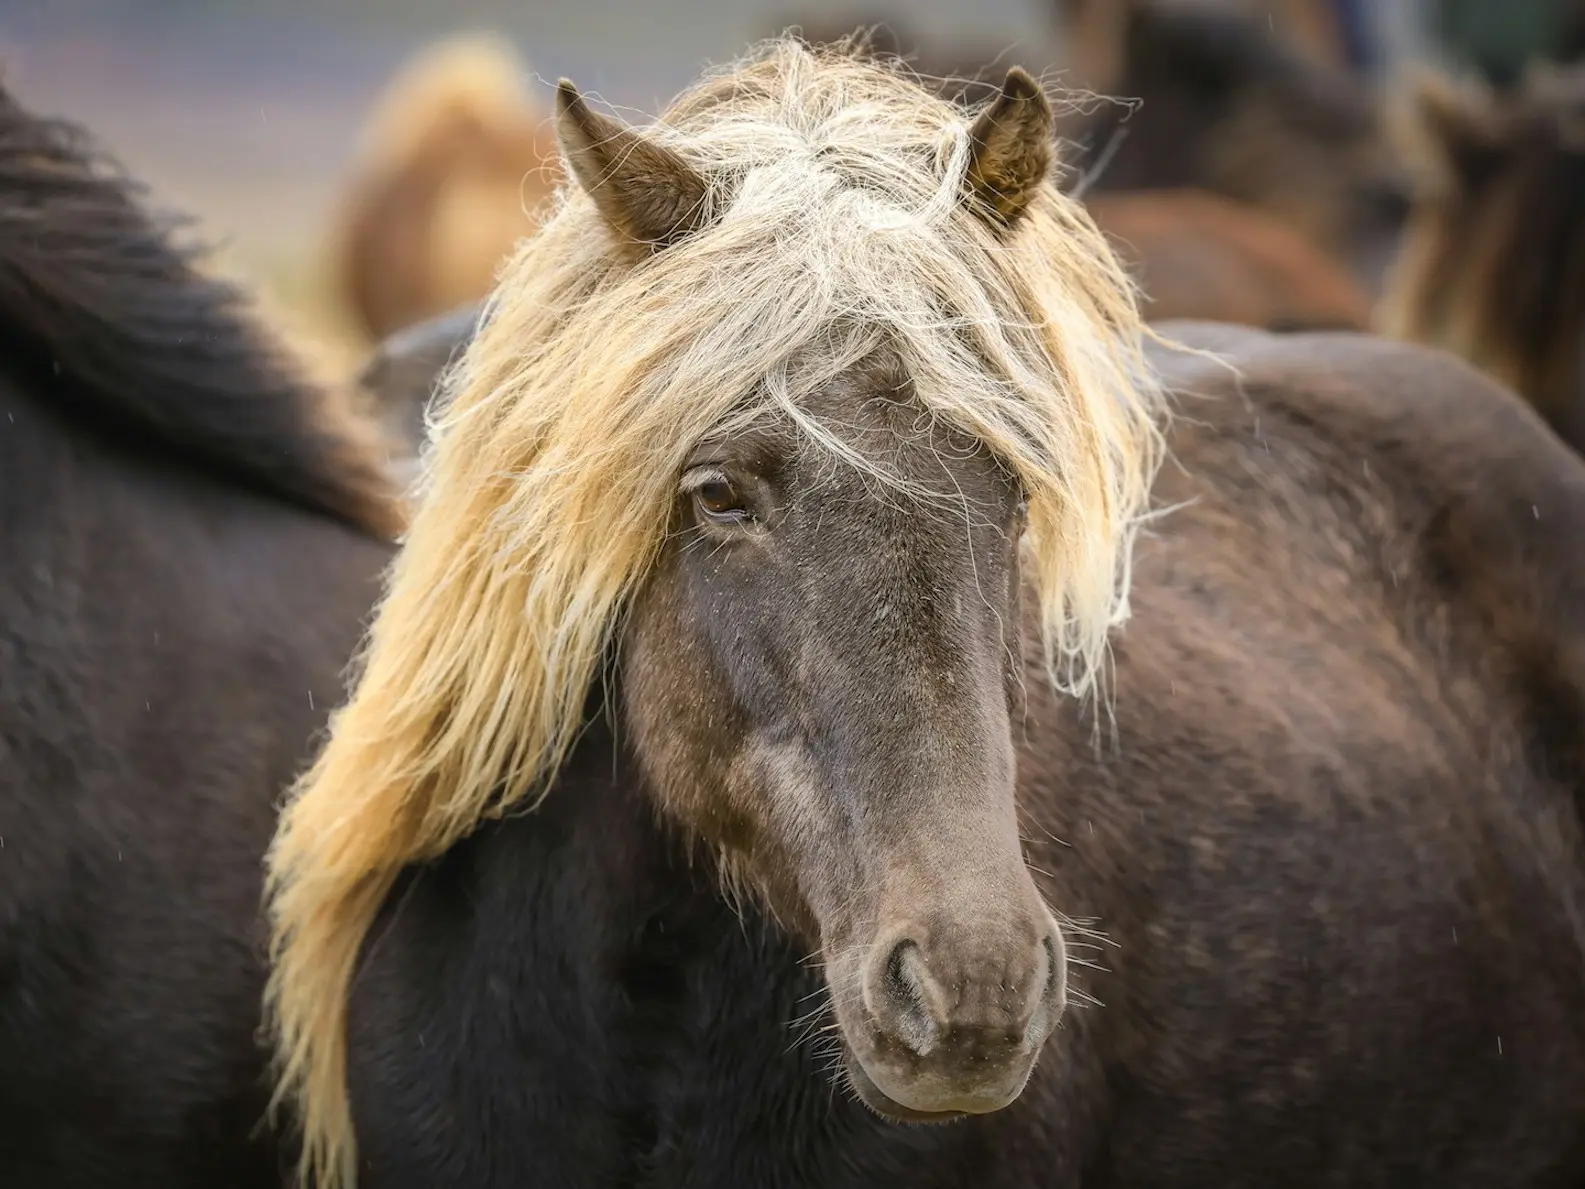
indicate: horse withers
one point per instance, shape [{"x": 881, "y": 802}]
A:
[
  {"x": 774, "y": 738},
  {"x": 191, "y": 538}
]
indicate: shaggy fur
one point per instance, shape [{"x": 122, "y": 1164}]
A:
[
  {"x": 1493, "y": 266},
  {"x": 190, "y": 536},
  {"x": 841, "y": 225}
]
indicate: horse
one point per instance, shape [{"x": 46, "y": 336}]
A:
[
  {"x": 1493, "y": 265},
  {"x": 1198, "y": 256},
  {"x": 1210, "y": 99},
  {"x": 806, "y": 711},
  {"x": 192, "y": 536},
  {"x": 457, "y": 162}
]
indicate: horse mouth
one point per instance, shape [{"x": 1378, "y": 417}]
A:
[{"x": 877, "y": 1100}]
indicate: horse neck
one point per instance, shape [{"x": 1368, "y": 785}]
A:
[{"x": 597, "y": 831}]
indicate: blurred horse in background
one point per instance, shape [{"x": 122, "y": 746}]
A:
[
  {"x": 1493, "y": 266},
  {"x": 458, "y": 162},
  {"x": 1209, "y": 98},
  {"x": 1257, "y": 101},
  {"x": 1197, "y": 255}
]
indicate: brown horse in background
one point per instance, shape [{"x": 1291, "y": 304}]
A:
[
  {"x": 192, "y": 535},
  {"x": 458, "y": 163},
  {"x": 1196, "y": 255},
  {"x": 1493, "y": 266},
  {"x": 1210, "y": 98},
  {"x": 1248, "y": 99}
]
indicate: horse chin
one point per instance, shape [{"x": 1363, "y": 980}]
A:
[{"x": 876, "y": 1099}]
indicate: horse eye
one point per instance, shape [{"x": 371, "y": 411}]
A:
[{"x": 719, "y": 500}]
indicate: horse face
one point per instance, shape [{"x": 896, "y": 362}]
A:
[{"x": 821, "y": 677}]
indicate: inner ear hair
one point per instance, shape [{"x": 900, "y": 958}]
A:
[{"x": 1012, "y": 150}]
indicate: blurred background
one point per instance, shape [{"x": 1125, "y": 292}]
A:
[
  {"x": 249, "y": 112},
  {"x": 246, "y": 111}
]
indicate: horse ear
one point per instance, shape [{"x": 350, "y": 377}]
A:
[
  {"x": 1453, "y": 128},
  {"x": 1011, "y": 150},
  {"x": 646, "y": 192}
]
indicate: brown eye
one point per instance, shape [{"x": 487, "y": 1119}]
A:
[{"x": 719, "y": 500}]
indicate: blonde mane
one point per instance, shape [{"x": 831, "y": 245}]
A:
[{"x": 838, "y": 222}]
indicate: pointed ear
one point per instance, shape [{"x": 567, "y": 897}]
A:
[
  {"x": 1012, "y": 148},
  {"x": 646, "y": 192}
]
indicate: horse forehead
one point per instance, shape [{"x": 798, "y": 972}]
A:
[{"x": 877, "y": 412}]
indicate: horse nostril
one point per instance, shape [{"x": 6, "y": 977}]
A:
[
  {"x": 951, "y": 1004},
  {"x": 1044, "y": 990},
  {"x": 906, "y": 988},
  {"x": 897, "y": 981},
  {"x": 1049, "y": 994}
]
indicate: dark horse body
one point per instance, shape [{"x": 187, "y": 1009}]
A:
[
  {"x": 1335, "y": 851},
  {"x": 190, "y": 545}
]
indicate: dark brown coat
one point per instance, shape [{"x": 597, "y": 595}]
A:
[{"x": 189, "y": 540}]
